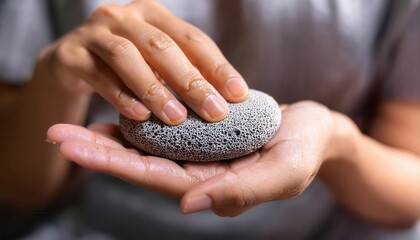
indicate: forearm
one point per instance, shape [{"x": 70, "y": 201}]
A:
[
  {"x": 31, "y": 172},
  {"x": 375, "y": 181}
]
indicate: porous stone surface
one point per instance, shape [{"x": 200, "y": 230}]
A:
[{"x": 248, "y": 126}]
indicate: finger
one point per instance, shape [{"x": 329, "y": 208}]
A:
[
  {"x": 231, "y": 192},
  {"x": 201, "y": 51},
  {"x": 165, "y": 56},
  {"x": 154, "y": 173},
  {"x": 74, "y": 60},
  {"x": 287, "y": 165},
  {"x": 113, "y": 132},
  {"x": 204, "y": 171},
  {"x": 130, "y": 67},
  {"x": 107, "y": 129},
  {"x": 60, "y": 133},
  {"x": 235, "y": 191}
]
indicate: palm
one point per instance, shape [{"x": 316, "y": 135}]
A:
[
  {"x": 278, "y": 170},
  {"x": 114, "y": 156}
]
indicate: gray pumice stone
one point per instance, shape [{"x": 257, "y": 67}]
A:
[{"x": 248, "y": 126}]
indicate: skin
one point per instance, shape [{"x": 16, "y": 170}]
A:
[
  {"x": 312, "y": 141},
  {"x": 125, "y": 54},
  {"x": 375, "y": 175}
]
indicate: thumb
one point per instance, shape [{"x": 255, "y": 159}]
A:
[{"x": 232, "y": 192}]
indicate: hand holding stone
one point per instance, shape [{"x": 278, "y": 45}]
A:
[
  {"x": 281, "y": 169},
  {"x": 126, "y": 52}
]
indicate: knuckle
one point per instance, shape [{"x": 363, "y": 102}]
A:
[
  {"x": 83, "y": 30},
  {"x": 195, "y": 35},
  {"x": 110, "y": 11},
  {"x": 152, "y": 91},
  {"x": 160, "y": 42},
  {"x": 119, "y": 48},
  {"x": 195, "y": 84},
  {"x": 63, "y": 55},
  {"x": 140, "y": 3},
  {"x": 60, "y": 53},
  {"x": 137, "y": 10},
  {"x": 222, "y": 71}
]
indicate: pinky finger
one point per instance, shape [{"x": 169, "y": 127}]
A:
[
  {"x": 110, "y": 87},
  {"x": 80, "y": 63}
]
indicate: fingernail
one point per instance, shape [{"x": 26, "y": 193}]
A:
[
  {"x": 214, "y": 106},
  {"x": 140, "y": 110},
  {"x": 236, "y": 87},
  {"x": 173, "y": 111},
  {"x": 197, "y": 204}
]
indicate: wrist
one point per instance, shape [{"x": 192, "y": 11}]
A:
[
  {"x": 344, "y": 140},
  {"x": 342, "y": 150}
]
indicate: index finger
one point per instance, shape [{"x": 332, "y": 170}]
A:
[
  {"x": 154, "y": 173},
  {"x": 200, "y": 50}
]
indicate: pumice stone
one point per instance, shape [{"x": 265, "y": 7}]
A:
[{"x": 247, "y": 127}]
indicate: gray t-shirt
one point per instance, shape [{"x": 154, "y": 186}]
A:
[{"x": 345, "y": 54}]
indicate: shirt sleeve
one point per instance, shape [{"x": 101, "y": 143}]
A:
[{"x": 402, "y": 77}]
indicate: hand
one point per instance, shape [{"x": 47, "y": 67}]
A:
[
  {"x": 126, "y": 52},
  {"x": 281, "y": 169}
]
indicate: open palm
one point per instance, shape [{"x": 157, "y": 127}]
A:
[{"x": 281, "y": 169}]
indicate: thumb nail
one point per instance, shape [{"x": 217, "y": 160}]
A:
[{"x": 197, "y": 204}]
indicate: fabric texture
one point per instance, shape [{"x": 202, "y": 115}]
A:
[
  {"x": 344, "y": 54},
  {"x": 402, "y": 74}
]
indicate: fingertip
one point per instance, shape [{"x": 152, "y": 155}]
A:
[
  {"x": 196, "y": 204},
  {"x": 236, "y": 89},
  {"x": 51, "y": 134},
  {"x": 71, "y": 151},
  {"x": 141, "y": 112},
  {"x": 216, "y": 107},
  {"x": 55, "y": 133},
  {"x": 173, "y": 112},
  {"x": 54, "y": 128},
  {"x": 204, "y": 196}
]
